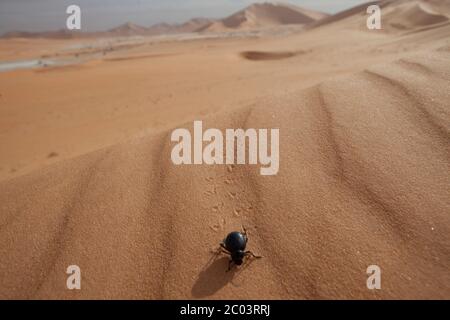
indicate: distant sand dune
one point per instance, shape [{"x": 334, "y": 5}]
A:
[
  {"x": 416, "y": 16},
  {"x": 263, "y": 15},
  {"x": 400, "y": 15}
]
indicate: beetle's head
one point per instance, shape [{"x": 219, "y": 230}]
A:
[{"x": 238, "y": 257}]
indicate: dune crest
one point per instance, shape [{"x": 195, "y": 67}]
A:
[
  {"x": 416, "y": 15},
  {"x": 397, "y": 15},
  {"x": 128, "y": 29},
  {"x": 266, "y": 15}
]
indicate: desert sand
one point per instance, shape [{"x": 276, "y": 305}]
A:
[{"x": 86, "y": 176}]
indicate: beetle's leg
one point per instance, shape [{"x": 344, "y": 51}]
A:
[
  {"x": 229, "y": 265},
  {"x": 249, "y": 253},
  {"x": 245, "y": 233},
  {"x": 223, "y": 249}
]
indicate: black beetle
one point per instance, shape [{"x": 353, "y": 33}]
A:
[{"x": 234, "y": 245}]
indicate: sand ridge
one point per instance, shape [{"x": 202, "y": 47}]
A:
[{"x": 364, "y": 168}]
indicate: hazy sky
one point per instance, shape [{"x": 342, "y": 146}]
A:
[{"x": 40, "y": 15}]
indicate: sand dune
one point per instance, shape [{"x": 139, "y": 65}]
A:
[
  {"x": 364, "y": 179},
  {"x": 398, "y": 15},
  {"x": 259, "y": 15},
  {"x": 364, "y": 168},
  {"x": 415, "y": 15},
  {"x": 264, "y": 15},
  {"x": 194, "y": 25},
  {"x": 129, "y": 29},
  {"x": 358, "y": 11}
]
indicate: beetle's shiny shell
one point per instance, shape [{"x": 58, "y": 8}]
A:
[{"x": 235, "y": 241}]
